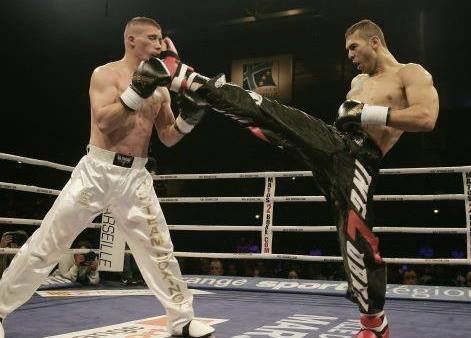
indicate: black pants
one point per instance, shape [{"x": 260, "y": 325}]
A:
[{"x": 345, "y": 166}]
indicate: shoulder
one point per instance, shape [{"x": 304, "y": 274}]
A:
[
  {"x": 107, "y": 72},
  {"x": 358, "y": 79},
  {"x": 413, "y": 72}
]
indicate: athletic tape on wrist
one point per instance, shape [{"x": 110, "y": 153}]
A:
[
  {"x": 182, "y": 126},
  {"x": 374, "y": 115},
  {"x": 131, "y": 99}
]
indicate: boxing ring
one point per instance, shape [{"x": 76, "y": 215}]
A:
[{"x": 243, "y": 307}]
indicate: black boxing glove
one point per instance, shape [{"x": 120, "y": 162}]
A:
[
  {"x": 149, "y": 75},
  {"x": 354, "y": 113},
  {"x": 191, "y": 109}
]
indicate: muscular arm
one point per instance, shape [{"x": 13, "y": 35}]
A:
[
  {"x": 422, "y": 97},
  {"x": 165, "y": 122},
  {"x": 107, "y": 110}
]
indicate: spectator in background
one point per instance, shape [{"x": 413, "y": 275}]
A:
[
  {"x": 255, "y": 269},
  {"x": 293, "y": 274},
  {"x": 204, "y": 266},
  {"x": 232, "y": 270},
  {"x": 409, "y": 277},
  {"x": 468, "y": 279},
  {"x": 82, "y": 268},
  {"x": 216, "y": 268},
  {"x": 426, "y": 275},
  {"x": 11, "y": 239},
  {"x": 460, "y": 279}
]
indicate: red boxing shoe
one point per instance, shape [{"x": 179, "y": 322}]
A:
[{"x": 374, "y": 326}]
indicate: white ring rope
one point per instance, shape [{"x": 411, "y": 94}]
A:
[
  {"x": 29, "y": 188},
  {"x": 465, "y": 171},
  {"x": 446, "y": 261},
  {"x": 314, "y": 228},
  {"x": 390, "y": 198},
  {"x": 29, "y": 221},
  {"x": 250, "y": 199},
  {"x": 319, "y": 258},
  {"x": 68, "y": 251},
  {"x": 290, "y": 174},
  {"x": 21, "y": 159},
  {"x": 401, "y": 171}
]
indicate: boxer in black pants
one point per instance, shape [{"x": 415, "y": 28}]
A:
[{"x": 385, "y": 100}]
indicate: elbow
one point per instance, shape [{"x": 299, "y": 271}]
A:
[
  {"x": 428, "y": 124},
  {"x": 167, "y": 138},
  {"x": 167, "y": 141},
  {"x": 427, "y": 121}
]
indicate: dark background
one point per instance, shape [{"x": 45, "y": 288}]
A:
[{"x": 50, "y": 48}]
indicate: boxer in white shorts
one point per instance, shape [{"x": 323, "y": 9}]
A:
[{"x": 125, "y": 106}]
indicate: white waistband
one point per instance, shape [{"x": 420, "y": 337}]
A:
[{"x": 117, "y": 159}]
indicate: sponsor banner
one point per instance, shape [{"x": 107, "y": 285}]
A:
[
  {"x": 267, "y": 233},
  {"x": 268, "y": 76},
  {"x": 112, "y": 244},
  {"x": 467, "y": 205},
  {"x": 394, "y": 291},
  {"x": 104, "y": 293},
  {"x": 155, "y": 327}
]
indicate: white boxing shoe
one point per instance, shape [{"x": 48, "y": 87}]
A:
[
  {"x": 2, "y": 332},
  {"x": 194, "y": 329}
]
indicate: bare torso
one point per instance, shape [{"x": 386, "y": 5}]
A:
[
  {"x": 383, "y": 89},
  {"x": 133, "y": 136}
]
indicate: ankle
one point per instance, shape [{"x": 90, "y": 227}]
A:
[{"x": 376, "y": 322}]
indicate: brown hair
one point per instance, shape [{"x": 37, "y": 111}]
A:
[
  {"x": 141, "y": 20},
  {"x": 367, "y": 29}
]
